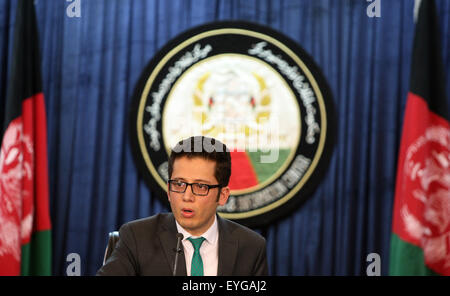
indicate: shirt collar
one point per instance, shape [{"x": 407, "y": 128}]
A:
[{"x": 211, "y": 235}]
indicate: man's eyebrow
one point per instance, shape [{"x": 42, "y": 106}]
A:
[
  {"x": 202, "y": 181},
  {"x": 178, "y": 179},
  {"x": 195, "y": 180}
]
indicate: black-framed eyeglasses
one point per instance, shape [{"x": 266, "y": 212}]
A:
[{"x": 196, "y": 188}]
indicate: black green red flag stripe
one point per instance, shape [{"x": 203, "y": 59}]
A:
[
  {"x": 25, "y": 228},
  {"x": 420, "y": 242}
]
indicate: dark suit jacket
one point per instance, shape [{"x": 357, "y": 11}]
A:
[{"x": 147, "y": 247}]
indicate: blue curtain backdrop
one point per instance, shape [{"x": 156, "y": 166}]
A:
[{"x": 90, "y": 66}]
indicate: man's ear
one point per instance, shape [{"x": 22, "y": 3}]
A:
[{"x": 224, "y": 194}]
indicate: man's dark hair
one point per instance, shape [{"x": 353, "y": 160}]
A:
[{"x": 206, "y": 148}]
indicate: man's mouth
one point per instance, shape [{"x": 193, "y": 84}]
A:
[{"x": 187, "y": 213}]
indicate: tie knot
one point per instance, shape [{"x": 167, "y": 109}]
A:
[{"x": 196, "y": 242}]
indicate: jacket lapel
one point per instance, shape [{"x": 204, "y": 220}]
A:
[
  {"x": 167, "y": 237},
  {"x": 227, "y": 248}
]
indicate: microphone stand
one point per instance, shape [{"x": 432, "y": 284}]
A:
[{"x": 177, "y": 251}]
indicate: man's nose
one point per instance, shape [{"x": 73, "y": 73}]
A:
[{"x": 188, "y": 195}]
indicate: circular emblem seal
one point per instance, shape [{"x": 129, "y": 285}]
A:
[{"x": 255, "y": 90}]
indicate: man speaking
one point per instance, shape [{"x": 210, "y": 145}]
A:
[{"x": 192, "y": 240}]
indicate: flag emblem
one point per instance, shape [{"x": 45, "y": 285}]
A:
[{"x": 15, "y": 168}]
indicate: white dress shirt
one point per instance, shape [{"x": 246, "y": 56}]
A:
[{"x": 208, "y": 250}]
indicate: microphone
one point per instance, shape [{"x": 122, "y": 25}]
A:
[{"x": 178, "y": 250}]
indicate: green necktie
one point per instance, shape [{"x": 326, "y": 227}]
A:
[{"x": 197, "y": 263}]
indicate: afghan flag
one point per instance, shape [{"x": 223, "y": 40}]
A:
[
  {"x": 420, "y": 242},
  {"x": 25, "y": 230}
]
